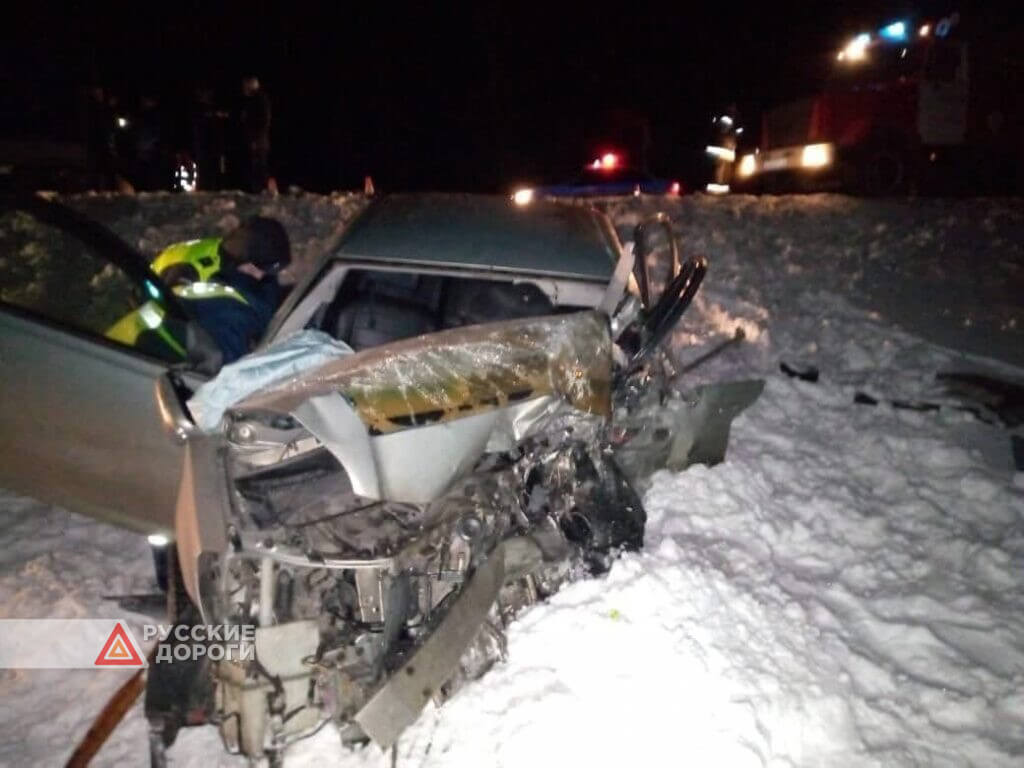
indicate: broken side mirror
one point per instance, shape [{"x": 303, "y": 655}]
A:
[
  {"x": 655, "y": 324},
  {"x": 656, "y": 261}
]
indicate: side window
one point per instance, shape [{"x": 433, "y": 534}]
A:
[
  {"x": 53, "y": 275},
  {"x": 943, "y": 63}
]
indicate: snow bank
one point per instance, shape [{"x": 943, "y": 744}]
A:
[
  {"x": 949, "y": 271},
  {"x": 152, "y": 221},
  {"x": 845, "y": 590}
]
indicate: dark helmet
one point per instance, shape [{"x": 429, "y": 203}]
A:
[{"x": 260, "y": 241}]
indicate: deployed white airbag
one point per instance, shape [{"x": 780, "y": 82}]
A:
[{"x": 289, "y": 357}]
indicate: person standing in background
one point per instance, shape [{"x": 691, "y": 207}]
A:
[
  {"x": 726, "y": 130},
  {"x": 100, "y": 139},
  {"x": 206, "y": 124},
  {"x": 152, "y": 164},
  {"x": 255, "y": 118}
]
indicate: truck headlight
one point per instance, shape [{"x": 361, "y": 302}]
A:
[
  {"x": 816, "y": 156},
  {"x": 522, "y": 196},
  {"x": 747, "y": 167}
]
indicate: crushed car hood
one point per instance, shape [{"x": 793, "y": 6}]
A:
[
  {"x": 406, "y": 419},
  {"x": 461, "y": 372}
]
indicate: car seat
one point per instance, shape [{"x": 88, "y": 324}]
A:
[{"x": 369, "y": 321}]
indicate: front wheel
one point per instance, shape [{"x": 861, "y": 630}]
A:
[{"x": 884, "y": 170}]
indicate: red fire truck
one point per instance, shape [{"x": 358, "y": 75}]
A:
[{"x": 915, "y": 105}]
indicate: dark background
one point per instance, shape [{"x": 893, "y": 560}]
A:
[{"x": 475, "y": 95}]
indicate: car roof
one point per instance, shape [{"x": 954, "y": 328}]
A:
[{"x": 484, "y": 232}]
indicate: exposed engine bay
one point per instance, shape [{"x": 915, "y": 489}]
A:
[{"x": 384, "y": 516}]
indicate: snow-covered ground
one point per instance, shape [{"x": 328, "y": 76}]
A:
[{"x": 845, "y": 590}]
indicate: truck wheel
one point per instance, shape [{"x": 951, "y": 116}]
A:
[{"x": 885, "y": 171}]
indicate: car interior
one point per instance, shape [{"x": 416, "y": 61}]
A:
[{"x": 378, "y": 307}]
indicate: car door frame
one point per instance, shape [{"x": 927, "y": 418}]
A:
[{"x": 100, "y": 435}]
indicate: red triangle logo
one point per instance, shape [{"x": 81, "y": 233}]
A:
[{"x": 119, "y": 650}]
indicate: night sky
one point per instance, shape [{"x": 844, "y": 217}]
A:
[{"x": 455, "y": 95}]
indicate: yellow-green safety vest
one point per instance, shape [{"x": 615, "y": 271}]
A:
[
  {"x": 202, "y": 255},
  {"x": 150, "y": 316}
]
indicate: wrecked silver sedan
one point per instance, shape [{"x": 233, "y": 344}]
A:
[{"x": 381, "y": 515}]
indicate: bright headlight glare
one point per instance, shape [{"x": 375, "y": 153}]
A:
[
  {"x": 522, "y": 196},
  {"x": 816, "y": 155},
  {"x": 748, "y": 164},
  {"x": 723, "y": 153},
  {"x": 856, "y": 50}
]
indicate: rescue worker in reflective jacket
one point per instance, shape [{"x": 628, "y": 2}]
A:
[
  {"x": 235, "y": 305},
  {"x": 231, "y": 287},
  {"x": 184, "y": 263}
]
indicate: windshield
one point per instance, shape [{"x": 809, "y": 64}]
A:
[{"x": 883, "y": 63}]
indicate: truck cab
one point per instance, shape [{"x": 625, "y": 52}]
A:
[{"x": 904, "y": 107}]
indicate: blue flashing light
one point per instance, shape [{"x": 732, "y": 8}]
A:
[{"x": 895, "y": 31}]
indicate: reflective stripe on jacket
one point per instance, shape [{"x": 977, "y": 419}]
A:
[
  {"x": 208, "y": 290},
  {"x": 148, "y": 317}
]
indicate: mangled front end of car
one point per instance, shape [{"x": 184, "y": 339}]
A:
[
  {"x": 387, "y": 513},
  {"x": 378, "y": 519}
]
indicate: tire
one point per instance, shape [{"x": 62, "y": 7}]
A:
[
  {"x": 161, "y": 566},
  {"x": 170, "y": 581},
  {"x": 885, "y": 170}
]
